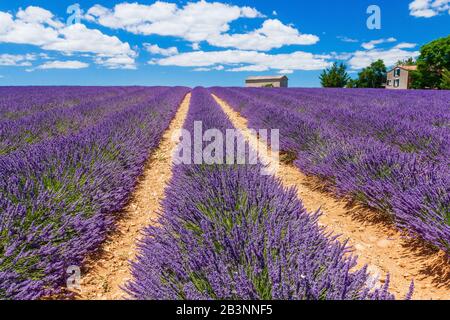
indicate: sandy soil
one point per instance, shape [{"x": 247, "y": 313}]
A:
[
  {"x": 108, "y": 270},
  {"x": 374, "y": 240}
]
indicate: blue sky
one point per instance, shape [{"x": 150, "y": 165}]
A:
[{"x": 205, "y": 42}]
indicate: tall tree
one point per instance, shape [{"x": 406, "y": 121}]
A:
[
  {"x": 352, "y": 83},
  {"x": 335, "y": 77},
  {"x": 407, "y": 62},
  {"x": 373, "y": 76},
  {"x": 433, "y": 60},
  {"x": 416, "y": 79}
]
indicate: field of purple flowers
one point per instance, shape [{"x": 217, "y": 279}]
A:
[
  {"x": 227, "y": 232},
  {"x": 69, "y": 159},
  {"x": 387, "y": 150}
]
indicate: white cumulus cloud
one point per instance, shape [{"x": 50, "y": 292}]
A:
[
  {"x": 347, "y": 39},
  {"x": 24, "y": 30},
  {"x": 362, "y": 59},
  {"x": 79, "y": 38},
  {"x": 253, "y": 68},
  {"x": 240, "y": 60},
  {"x": 73, "y": 64},
  {"x": 372, "y": 44},
  {"x": 406, "y": 45},
  {"x": 17, "y": 60},
  {"x": 272, "y": 34},
  {"x": 39, "y": 27},
  {"x": 197, "y": 22},
  {"x": 155, "y": 49},
  {"x": 428, "y": 8},
  {"x": 217, "y": 68}
]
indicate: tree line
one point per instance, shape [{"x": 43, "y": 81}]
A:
[{"x": 433, "y": 70}]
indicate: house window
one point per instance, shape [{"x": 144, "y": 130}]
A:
[
  {"x": 397, "y": 72},
  {"x": 397, "y": 83},
  {"x": 389, "y": 82}
]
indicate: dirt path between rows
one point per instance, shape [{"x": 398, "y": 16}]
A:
[
  {"x": 376, "y": 243},
  {"x": 109, "y": 269}
]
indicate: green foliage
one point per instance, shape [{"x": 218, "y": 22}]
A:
[
  {"x": 335, "y": 77},
  {"x": 416, "y": 80},
  {"x": 202, "y": 284},
  {"x": 407, "y": 62},
  {"x": 352, "y": 83},
  {"x": 261, "y": 283},
  {"x": 374, "y": 76},
  {"x": 434, "y": 59},
  {"x": 445, "y": 81}
]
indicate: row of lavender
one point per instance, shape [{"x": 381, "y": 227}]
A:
[
  {"x": 387, "y": 150},
  {"x": 63, "y": 117},
  {"x": 228, "y": 232},
  {"x": 58, "y": 195},
  {"x": 17, "y": 102},
  {"x": 415, "y": 124}
]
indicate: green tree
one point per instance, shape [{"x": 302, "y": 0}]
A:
[
  {"x": 335, "y": 77},
  {"x": 407, "y": 62},
  {"x": 433, "y": 60},
  {"x": 445, "y": 82},
  {"x": 352, "y": 83},
  {"x": 374, "y": 76},
  {"x": 416, "y": 80}
]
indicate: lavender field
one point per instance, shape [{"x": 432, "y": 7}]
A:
[
  {"x": 387, "y": 150},
  {"x": 230, "y": 233},
  {"x": 71, "y": 159}
]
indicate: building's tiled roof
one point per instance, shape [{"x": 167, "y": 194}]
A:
[
  {"x": 409, "y": 68},
  {"x": 268, "y": 78},
  {"x": 412, "y": 68}
]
